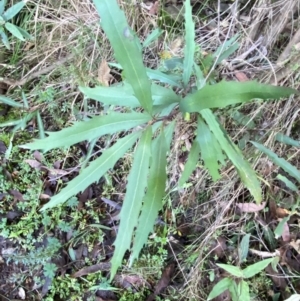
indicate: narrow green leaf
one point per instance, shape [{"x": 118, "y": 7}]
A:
[
  {"x": 14, "y": 31},
  {"x": 235, "y": 271},
  {"x": 289, "y": 184},
  {"x": 154, "y": 35},
  {"x": 24, "y": 33},
  {"x": 88, "y": 130},
  {"x": 126, "y": 48},
  {"x": 2, "y": 6},
  {"x": 154, "y": 195},
  {"x": 220, "y": 288},
  {"x": 280, "y": 227},
  {"x": 191, "y": 163},
  {"x": 245, "y": 171},
  {"x": 285, "y": 165},
  {"x": 234, "y": 290},
  {"x": 189, "y": 50},
  {"x": 244, "y": 248},
  {"x": 10, "y": 102},
  {"x": 170, "y": 79},
  {"x": 225, "y": 93},
  {"x": 11, "y": 123},
  {"x": 169, "y": 130},
  {"x": 135, "y": 191},
  {"x": 244, "y": 293},
  {"x": 226, "y": 49},
  {"x": 255, "y": 268},
  {"x": 4, "y": 38},
  {"x": 94, "y": 171},
  {"x": 287, "y": 140},
  {"x": 123, "y": 95},
  {"x": 211, "y": 152},
  {"x": 13, "y": 10},
  {"x": 40, "y": 125}
]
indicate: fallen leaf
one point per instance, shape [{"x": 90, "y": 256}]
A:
[
  {"x": 104, "y": 75},
  {"x": 34, "y": 163},
  {"x": 154, "y": 8},
  {"x": 44, "y": 196},
  {"x": 286, "y": 236},
  {"x": 241, "y": 76},
  {"x": 18, "y": 196},
  {"x": 295, "y": 245},
  {"x": 38, "y": 156},
  {"x": 281, "y": 212},
  {"x": 251, "y": 207},
  {"x": 104, "y": 266}
]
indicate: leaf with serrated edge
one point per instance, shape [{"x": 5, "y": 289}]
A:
[
  {"x": 94, "y": 171},
  {"x": 255, "y": 268},
  {"x": 135, "y": 191},
  {"x": 228, "y": 93},
  {"x": 88, "y": 130},
  {"x": 190, "y": 164},
  {"x": 152, "y": 202},
  {"x": 245, "y": 171},
  {"x": 126, "y": 48},
  {"x": 219, "y": 288},
  {"x": 211, "y": 151},
  {"x": 189, "y": 49},
  {"x": 285, "y": 165}
]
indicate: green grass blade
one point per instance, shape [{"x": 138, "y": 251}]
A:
[
  {"x": 13, "y": 10},
  {"x": 126, "y": 48},
  {"x": 94, "y": 171},
  {"x": 40, "y": 125},
  {"x": 88, "y": 130},
  {"x": 191, "y": 163},
  {"x": 154, "y": 195},
  {"x": 211, "y": 151},
  {"x": 245, "y": 171},
  {"x": 289, "y": 184},
  {"x": 189, "y": 49},
  {"x": 170, "y": 79},
  {"x": 285, "y": 165},
  {"x": 10, "y": 102},
  {"x": 135, "y": 191},
  {"x": 228, "y": 93}
]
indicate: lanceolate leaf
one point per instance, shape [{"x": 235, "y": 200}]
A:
[
  {"x": 211, "y": 152},
  {"x": 285, "y": 165},
  {"x": 191, "y": 163},
  {"x": 255, "y": 268},
  {"x": 10, "y": 102},
  {"x": 94, "y": 171},
  {"x": 135, "y": 191},
  {"x": 189, "y": 49},
  {"x": 126, "y": 48},
  {"x": 219, "y": 288},
  {"x": 154, "y": 195},
  {"x": 245, "y": 171},
  {"x": 233, "y": 270},
  {"x": 123, "y": 95},
  {"x": 14, "y": 31},
  {"x": 227, "y": 93},
  {"x": 13, "y": 10},
  {"x": 88, "y": 130}
]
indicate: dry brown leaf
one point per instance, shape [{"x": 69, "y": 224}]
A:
[
  {"x": 34, "y": 163},
  {"x": 251, "y": 207},
  {"x": 241, "y": 76},
  {"x": 44, "y": 196},
  {"x": 281, "y": 212},
  {"x": 38, "y": 156},
  {"x": 175, "y": 45},
  {"x": 296, "y": 245},
  {"x": 286, "y": 236},
  {"x": 154, "y": 8},
  {"x": 104, "y": 266},
  {"x": 18, "y": 196},
  {"x": 104, "y": 76}
]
